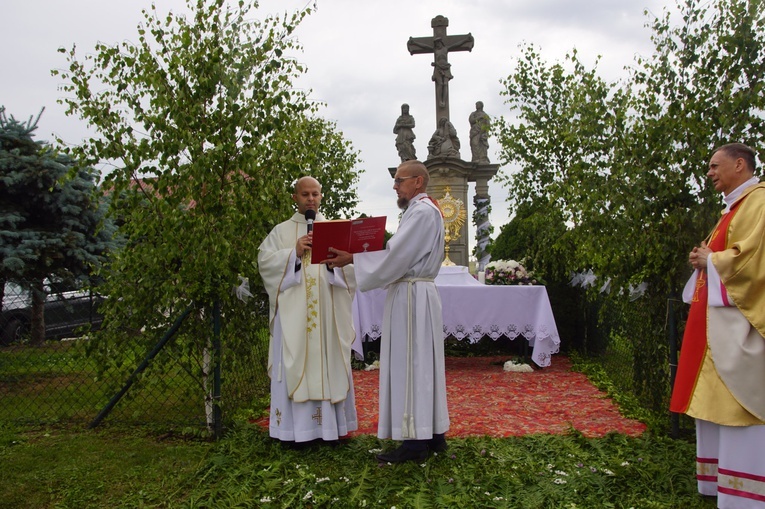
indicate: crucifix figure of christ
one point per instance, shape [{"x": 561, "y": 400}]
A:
[{"x": 440, "y": 45}]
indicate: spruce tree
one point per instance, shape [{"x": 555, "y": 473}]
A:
[{"x": 52, "y": 217}]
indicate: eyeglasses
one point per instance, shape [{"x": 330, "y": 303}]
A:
[{"x": 399, "y": 180}]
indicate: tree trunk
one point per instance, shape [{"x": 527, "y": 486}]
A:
[
  {"x": 2, "y": 306},
  {"x": 37, "y": 327}
]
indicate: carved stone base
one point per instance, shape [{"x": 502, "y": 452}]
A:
[{"x": 456, "y": 174}]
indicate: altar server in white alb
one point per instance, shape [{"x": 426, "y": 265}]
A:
[
  {"x": 311, "y": 325},
  {"x": 412, "y": 374}
]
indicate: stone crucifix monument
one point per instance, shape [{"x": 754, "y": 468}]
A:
[
  {"x": 449, "y": 173},
  {"x": 440, "y": 45}
]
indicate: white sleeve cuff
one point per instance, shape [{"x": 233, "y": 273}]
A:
[
  {"x": 718, "y": 295},
  {"x": 292, "y": 275}
]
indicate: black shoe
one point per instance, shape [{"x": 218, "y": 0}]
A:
[
  {"x": 403, "y": 454},
  {"x": 438, "y": 445},
  {"x": 295, "y": 446}
]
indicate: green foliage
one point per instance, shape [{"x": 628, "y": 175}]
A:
[
  {"x": 538, "y": 236},
  {"x": 623, "y": 166},
  {"x": 52, "y": 216},
  {"x": 206, "y": 137},
  {"x": 49, "y": 224}
]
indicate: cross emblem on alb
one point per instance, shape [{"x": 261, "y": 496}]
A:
[
  {"x": 317, "y": 416},
  {"x": 735, "y": 483},
  {"x": 440, "y": 45}
]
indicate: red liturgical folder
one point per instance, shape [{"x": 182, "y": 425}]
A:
[{"x": 352, "y": 235}]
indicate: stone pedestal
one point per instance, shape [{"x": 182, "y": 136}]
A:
[{"x": 456, "y": 174}]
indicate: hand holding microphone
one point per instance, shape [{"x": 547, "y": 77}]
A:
[
  {"x": 304, "y": 243},
  {"x": 310, "y": 215}
]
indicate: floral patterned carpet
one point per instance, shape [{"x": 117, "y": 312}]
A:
[{"x": 484, "y": 400}]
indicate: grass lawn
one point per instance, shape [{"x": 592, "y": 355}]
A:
[{"x": 128, "y": 468}]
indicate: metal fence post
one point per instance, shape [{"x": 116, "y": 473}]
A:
[
  {"x": 217, "y": 414},
  {"x": 168, "y": 335},
  {"x": 672, "y": 332}
]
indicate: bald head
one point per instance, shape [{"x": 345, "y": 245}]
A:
[
  {"x": 306, "y": 181},
  {"x": 307, "y": 194},
  {"x": 415, "y": 168}
]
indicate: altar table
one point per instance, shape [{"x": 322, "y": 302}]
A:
[{"x": 471, "y": 311}]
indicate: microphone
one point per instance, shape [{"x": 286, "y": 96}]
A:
[{"x": 310, "y": 215}]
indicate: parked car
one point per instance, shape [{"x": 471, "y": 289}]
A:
[{"x": 67, "y": 308}]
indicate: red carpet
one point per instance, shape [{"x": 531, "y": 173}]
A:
[{"x": 484, "y": 400}]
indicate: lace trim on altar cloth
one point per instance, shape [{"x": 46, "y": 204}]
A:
[
  {"x": 477, "y": 332},
  {"x": 511, "y": 332},
  {"x": 372, "y": 334}
]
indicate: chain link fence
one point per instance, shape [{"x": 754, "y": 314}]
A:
[{"x": 69, "y": 378}]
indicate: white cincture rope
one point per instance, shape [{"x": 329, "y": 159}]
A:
[{"x": 408, "y": 429}]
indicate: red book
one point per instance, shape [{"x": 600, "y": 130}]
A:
[{"x": 352, "y": 235}]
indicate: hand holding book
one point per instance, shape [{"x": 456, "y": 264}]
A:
[
  {"x": 346, "y": 236},
  {"x": 340, "y": 259}
]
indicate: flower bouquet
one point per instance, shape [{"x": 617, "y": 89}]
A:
[{"x": 509, "y": 272}]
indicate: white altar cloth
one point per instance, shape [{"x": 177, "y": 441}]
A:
[{"x": 471, "y": 311}]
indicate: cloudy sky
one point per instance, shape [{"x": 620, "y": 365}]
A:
[{"x": 357, "y": 60}]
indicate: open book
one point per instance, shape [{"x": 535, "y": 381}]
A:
[{"x": 352, "y": 235}]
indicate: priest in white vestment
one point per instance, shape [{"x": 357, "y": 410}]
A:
[
  {"x": 412, "y": 370},
  {"x": 311, "y": 324}
]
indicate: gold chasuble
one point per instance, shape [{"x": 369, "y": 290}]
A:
[{"x": 721, "y": 373}]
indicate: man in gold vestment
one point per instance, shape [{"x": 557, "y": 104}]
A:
[{"x": 721, "y": 373}]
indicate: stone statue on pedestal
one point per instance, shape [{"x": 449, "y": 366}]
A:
[
  {"x": 479, "y": 134},
  {"x": 444, "y": 142},
  {"x": 405, "y": 135}
]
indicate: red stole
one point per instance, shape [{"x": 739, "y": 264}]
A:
[
  {"x": 435, "y": 202},
  {"x": 694, "y": 344}
]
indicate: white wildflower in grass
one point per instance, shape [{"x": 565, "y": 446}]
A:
[
  {"x": 345, "y": 479},
  {"x": 265, "y": 500},
  {"x": 625, "y": 463},
  {"x": 375, "y": 451},
  {"x": 322, "y": 479},
  {"x": 288, "y": 481},
  {"x": 559, "y": 481},
  {"x": 607, "y": 471},
  {"x": 561, "y": 472},
  {"x": 308, "y": 496},
  {"x": 550, "y": 466},
  {"x": 498, "y": 498}
]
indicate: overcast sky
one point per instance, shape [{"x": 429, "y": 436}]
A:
[{"x": 357, "y": 60}]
